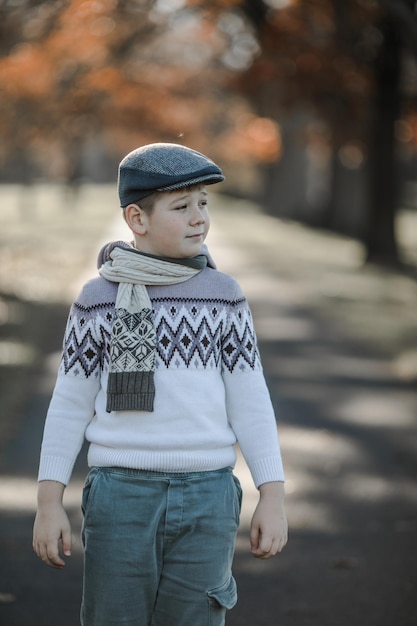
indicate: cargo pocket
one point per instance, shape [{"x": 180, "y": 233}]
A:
[{"x": 221, "y": 599}]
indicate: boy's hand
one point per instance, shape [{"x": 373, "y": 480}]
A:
[
  {"x": 269, "y": 528},
  {"x": 52, "y": 526}
]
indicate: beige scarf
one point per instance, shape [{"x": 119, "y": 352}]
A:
[{"x": 133, "y": 343}]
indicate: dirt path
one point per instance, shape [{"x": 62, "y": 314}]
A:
[{"x": 338, "y": 354}]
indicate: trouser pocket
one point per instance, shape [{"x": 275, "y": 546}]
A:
[{"x": 220, "y": 600}]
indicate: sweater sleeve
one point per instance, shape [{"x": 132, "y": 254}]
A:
[
  {"x": 73, "y": 400},
  {"x": 249, "y": 407}
]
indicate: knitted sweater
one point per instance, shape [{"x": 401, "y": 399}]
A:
[{"x": 210, "y": 388}]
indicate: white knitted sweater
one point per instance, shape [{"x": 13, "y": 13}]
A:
[{"x": 210, "y": 388}]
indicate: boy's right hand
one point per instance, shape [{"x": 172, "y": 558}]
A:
[{"x": 52, "y": 528}]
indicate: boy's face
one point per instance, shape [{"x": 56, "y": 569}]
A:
[{"x": 178, "y": 224}]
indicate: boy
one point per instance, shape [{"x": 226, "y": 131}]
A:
[{"x": 161, "y": 374}]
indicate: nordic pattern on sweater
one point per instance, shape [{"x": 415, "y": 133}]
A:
[
  {"x": 210, "y": 388},
  {"x": 189, "y": 332},
  {"x": 86, "y": 351}
]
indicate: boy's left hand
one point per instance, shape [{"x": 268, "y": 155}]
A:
[{"x": 269, "y": 528}]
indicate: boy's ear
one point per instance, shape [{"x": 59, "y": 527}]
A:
[{"x": 136, "y": 219}]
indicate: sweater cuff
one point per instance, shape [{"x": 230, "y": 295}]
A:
[
  {"x": 55, "y": 468},
  {"x": 267, "y": 470}
]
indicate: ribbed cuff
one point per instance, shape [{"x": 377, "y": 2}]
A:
[
  {"x": 267, "y": 470},
  {"x": 55, "y": 468}
]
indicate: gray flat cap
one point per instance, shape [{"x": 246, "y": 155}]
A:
[{"x": 163, "y": 167}]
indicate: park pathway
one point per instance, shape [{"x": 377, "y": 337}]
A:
[{"x": 347, "y": 418}]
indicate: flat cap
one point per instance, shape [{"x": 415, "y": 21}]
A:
[{"x": 163, "y": 167}]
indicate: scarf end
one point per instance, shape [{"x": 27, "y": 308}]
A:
[{"x": 130, "y": 391}]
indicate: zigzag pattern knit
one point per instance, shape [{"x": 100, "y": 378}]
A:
[{"x": 210, "y": 387}]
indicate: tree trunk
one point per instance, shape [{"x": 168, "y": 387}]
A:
[{"x": 380, "y": 240}]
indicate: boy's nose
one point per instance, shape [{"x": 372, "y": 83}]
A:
[{"x": 198, "y": 216}]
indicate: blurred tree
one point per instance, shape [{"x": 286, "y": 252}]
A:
[
  {"x": 344, "y": 61},
  {"x": 125, "y": 71},
  {"x": 54, "y": 53},
  {"x": 128, "y": 72}
]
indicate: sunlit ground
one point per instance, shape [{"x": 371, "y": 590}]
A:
[
  {"x": 341, "y": 364},
  {"x": 49, "y": 243}
]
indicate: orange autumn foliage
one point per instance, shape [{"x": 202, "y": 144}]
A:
[{"x": 90, "y": 68}]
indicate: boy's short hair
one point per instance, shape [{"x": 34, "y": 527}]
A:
[
  {"x": 148, "y": 202},
  {"x": 161, "y": 167}
]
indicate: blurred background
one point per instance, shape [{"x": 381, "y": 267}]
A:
[{"x": 310, "y": 108}]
